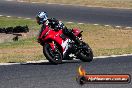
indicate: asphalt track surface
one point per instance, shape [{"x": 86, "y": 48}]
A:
[
  {"x": 45, "y": 75},
  {"x": 69, "y": 13}
]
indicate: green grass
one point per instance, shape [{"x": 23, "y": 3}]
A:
[
  {"x": 103, "y": 41},
  {"x": 114, "y": 51},
  {"x": 13, "y": 21},
  {"x": 20, "y": 51},
  {"x": 24, "y": 43}
]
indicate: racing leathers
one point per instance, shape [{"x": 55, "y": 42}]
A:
[{"x": 58, "y": 25}]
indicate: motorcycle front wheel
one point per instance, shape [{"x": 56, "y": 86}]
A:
[{"x": 53, "y": 56}]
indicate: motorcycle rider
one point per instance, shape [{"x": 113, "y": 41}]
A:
[{"x": 42, "y": 19}]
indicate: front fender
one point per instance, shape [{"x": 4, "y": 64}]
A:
[{"x": 53, "y": 44}]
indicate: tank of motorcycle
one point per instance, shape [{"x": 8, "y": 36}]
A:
[{"x": 76, "y": 31}]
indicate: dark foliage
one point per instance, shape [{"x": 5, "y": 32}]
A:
[{"x": 17, "y": 29}]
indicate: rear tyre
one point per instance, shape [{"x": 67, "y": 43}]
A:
[
  {"x": 85, "y": 54},
  {"x": 54, "y": 57}
]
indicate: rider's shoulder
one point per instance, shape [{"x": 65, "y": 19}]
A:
[
  {"x": 46, "y": 22},
  {"x": 52, "y": 19}
]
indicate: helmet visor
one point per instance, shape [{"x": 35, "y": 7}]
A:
[{"x": 39, "y": 20}]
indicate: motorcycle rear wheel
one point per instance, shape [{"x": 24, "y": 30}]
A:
[
  {"x": 53, "y": 56},
  {"x": 86, "y": 54}
]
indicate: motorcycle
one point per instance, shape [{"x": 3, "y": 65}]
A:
[{"x": 58, "y": 47}]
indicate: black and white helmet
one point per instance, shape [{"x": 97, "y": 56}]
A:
[{"x": 41, "y": 17}]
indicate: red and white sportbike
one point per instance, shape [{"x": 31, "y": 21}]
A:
[{"x": 58, "y": 47}]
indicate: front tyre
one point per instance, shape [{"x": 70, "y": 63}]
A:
[
  {"x": 85, "y": 54},
  {"x": 54, "y": 56}
]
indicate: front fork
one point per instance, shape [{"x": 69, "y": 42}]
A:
[{"x": 52, "y": 45}]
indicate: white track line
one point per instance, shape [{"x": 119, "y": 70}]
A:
[
  {"x": 71, "y": 4},
  {"x": 112, "y": 56},
  {"x": 35, "y": 2},
  {"x": 27, "y": 18},
  {"x": 22, "y": 1},
  {"x": 51, "y": 3},
  {"x": 80, "y": 23},
  {"x": 69, "y": 22},
  {"x": 106, "y": 25},
  {"x": 95, "y": 24},
  {"x": 9, "y": 0},
  {"x": 128, "y": 27},
  {"x": 9, "y": 63},
  {"x": 19, "y": 17},
  {"x": 118, "y": 26},
  {"x": 8, "y": 16},
  {"x": 76, "y": 60}
]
